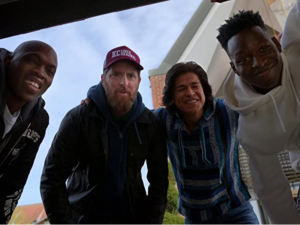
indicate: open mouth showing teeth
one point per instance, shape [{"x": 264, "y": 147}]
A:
[
  {"x": 192, "y": 101},
  {"x": 33, "y": 84}
]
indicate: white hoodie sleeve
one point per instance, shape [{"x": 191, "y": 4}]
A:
[
  {"x": 291, "y": 30},
  {"x": 272, "y": 187}
]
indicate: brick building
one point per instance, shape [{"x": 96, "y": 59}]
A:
[
  {"x": 29, "y": 214},
  {"x": 157, "y": 84}
]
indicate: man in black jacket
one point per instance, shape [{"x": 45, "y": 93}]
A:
[
  {"x": 101, "y": 148},
  {"x": 25, "y": 75}
]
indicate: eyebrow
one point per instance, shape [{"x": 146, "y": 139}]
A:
[
  {"x": 49, "y": 64},
  {"x": 114, "y": 72}
]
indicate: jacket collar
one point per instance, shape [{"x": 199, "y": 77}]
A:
[
  {"x": 144, "y": 118},
  {"x": 210, "y": 111}
]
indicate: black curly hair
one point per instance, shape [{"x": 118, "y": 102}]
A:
[{"x": 237, "y": 23}]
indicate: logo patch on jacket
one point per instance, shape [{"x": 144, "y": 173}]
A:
[
  {"x": 15, "y": 152},
  {"x": 31, "y": 134}
]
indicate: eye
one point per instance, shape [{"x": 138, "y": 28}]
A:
[
  {"x": 51, "y": 72},
  {"x": 180, "y": 89},
  {"x": 31, "y": 60},
  {"x": 132, "y": 76},
  {"x": 115, "y": 74},
  {"x": 264, "y": 48},
  {"x": 242, "y": 61}
]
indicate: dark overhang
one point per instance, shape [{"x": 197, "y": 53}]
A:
[{"x": 23, "y": 16}]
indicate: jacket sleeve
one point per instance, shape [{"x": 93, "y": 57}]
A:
[
  {"x": 61, "y": 158},
  {"x": 11, "y": 189},
  {"x": 272, "y": 187},
  {"x": 15, "y": 174},
  {"x": 157, "y": 176}
]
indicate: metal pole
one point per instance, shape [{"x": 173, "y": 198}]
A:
[
  {"x": 271, "y": 23},
  {"x": 282, "y": 5}
]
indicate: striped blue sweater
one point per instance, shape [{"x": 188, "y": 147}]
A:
[{"x": 205, "y": 162}]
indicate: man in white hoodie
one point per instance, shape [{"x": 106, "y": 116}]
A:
[{"x": 265, "y": 91}]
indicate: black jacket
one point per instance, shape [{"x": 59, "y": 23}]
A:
[
  {"x": 77, "y": 154},
  {"x": 18, "y": 148}
]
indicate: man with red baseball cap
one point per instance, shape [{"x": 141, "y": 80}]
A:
[{"x": 101, "y": 148}]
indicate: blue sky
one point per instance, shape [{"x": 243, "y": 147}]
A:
[{"x": 82, "y": 46}]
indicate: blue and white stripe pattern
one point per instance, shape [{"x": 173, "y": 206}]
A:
[{"x": 205, "y": 162}]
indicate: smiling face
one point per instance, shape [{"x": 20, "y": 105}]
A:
[
  {"x": 121, "y": 84},
  {"x": 29, "y": 71},
  {"x": 256, "y": 58},
  {"x": 188, "y": 96}
]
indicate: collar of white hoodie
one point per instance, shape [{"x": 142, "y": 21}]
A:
[{"x": 242, "y": 97}]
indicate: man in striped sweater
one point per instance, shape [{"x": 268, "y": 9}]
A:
[{"x": 203, "y": 150}]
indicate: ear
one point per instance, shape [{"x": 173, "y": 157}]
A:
[
  {"x": 140, "y": 80},
  {"x": 102, "y": 77},
  {"x": 277, "y": 43},
  {"x": 234, "y": 69},
  {"x": 7, "y": 60}
]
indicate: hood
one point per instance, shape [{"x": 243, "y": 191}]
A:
[
  {"x": 97, "y": 94},
  {"x": 242, "y": 97}
]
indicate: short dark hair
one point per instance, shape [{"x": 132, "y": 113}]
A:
[
  {"x": 179, "y": 69},
  {"x": 237, "y": 23}
]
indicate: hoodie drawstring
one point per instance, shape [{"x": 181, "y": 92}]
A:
[
  {"x": 278, "y": 114},
  {"x": 275, "y": 105},
  {"x": 295, "y": 94},
  {"x": 137, "y": 133}
]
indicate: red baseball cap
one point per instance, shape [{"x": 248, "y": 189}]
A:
[{"x": 120, "y": 53}]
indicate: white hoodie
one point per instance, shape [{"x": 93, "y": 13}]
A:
[{"x": 269, "y": 124}]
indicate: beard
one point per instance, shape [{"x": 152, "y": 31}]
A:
[{"x": 119, "y": 103}]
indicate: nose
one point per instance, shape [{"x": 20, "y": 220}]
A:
[
  {"x": 189, "y": 91},
  {"x": 258, "y": 62},
  {"x": 124, "y": 81},
  {"x": 40, "y": 71}
]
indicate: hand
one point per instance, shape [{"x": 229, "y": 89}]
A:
[
  {"x": 279, "y": 37},
  {"x": 86, "y": 101}
]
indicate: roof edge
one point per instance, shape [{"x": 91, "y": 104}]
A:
[{"x": 184, "y": 39}]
